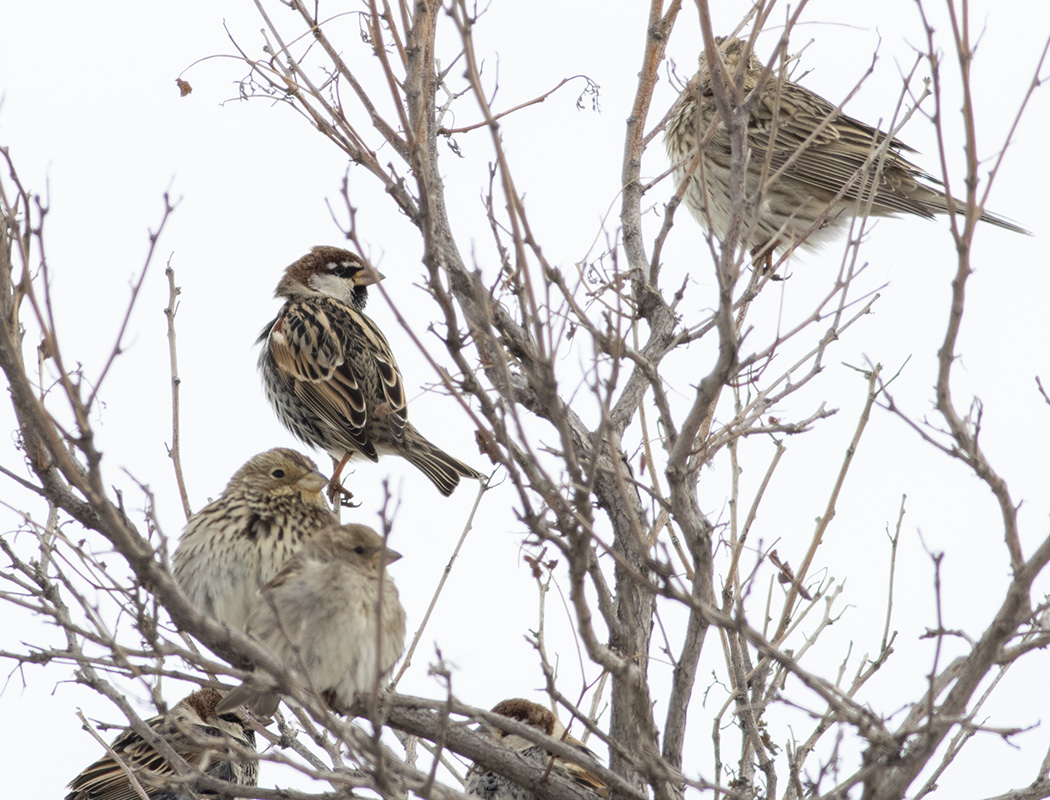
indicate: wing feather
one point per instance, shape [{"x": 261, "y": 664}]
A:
[
  {"x": 106, "y": 779},
  {"x": 838, "y": 155},
  {"x": 339, "y": 364},
  {"x": 390, "y": 381}
]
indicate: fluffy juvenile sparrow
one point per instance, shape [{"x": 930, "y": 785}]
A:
[
  {"x": 197, "y": 732},
  {"x": 493, "y": 786},
  {"x": 330, "y": 375},
  {"x": 239, "y": 542},
  {"x": 826, "y": 160},
  {"x": 319, "y": 616}
]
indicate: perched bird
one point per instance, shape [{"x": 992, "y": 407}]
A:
[
  {"x": 319, "y": 616},
  {"x": 820, "y": 162},
  {"x": 240, "y": 541},
  {"x": 197, "y": 732},
  {"x": 330, "y": 375},
  {"x": 493, "y": 786}
]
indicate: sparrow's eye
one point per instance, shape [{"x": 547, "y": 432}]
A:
[
  {"x": 277, "y": 473},
  {"x": 234, "y": 718},
  {"x": 344, "y": 269},
  {"x": 360, "y": 550}
]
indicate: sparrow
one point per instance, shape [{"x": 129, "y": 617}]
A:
[
  {"x": 328, "y": 619},
  {"x": 493, "y": 786},
  {"x": 330, "y": 375},
  {"x": 239, "y": 542},
  {"x": 197, "y": 732},
  {"x": 810, "y": 167}
]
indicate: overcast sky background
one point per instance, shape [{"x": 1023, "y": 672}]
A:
[{"x": 92, "y": 117}]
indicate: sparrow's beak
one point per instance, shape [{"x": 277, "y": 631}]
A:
[
  {"x": 383, "y": 557},
  {"x": 368, "y": 276},
  {"x": 312, "y": 482}
]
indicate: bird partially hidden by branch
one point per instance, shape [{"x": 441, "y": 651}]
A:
[
  {"x": 196, "y": 731},
  {"x": 809, "y": 167},
  {"x": 490, "y": 785}
]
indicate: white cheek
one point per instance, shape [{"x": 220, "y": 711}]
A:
[{"x": 339, "y": 288}]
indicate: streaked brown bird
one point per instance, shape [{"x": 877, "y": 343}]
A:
[
  {"x": 493, "y": 786},
  {"x": 239, "y": 542},
  {"x": 810, "y": 167},
  {"x": 207, "y": 739},
  {"x": 331, "y": 377},
  {"x": 323, "y": 617}
]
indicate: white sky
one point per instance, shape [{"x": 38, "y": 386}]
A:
[{"x": 90, "y": 112}]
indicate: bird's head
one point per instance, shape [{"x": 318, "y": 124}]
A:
[
  {"x": 281, "y": 471},
  {"x": 330, "y": 271}
]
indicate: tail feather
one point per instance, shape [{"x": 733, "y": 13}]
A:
[
  {"x": 1003, "y": 222},
  {"x": 937, "y": 203},
  {"x": 443, "y": 470}
]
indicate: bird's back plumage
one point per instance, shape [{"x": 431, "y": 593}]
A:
[
  {"x": 334, "y": 360},
  {"x": 194, "y": 729},
  {"x": 810, "y": 166}
]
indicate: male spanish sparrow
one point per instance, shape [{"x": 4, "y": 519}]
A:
[
  {"x": 239, "y": 542},
  {"x": 324, "y": 617},
  {"x": 493, "y": 786},
  {"x": 204, "y": 737},
  {"x": 330, "y": 375},
  {"x": 821, "y": 168}
]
